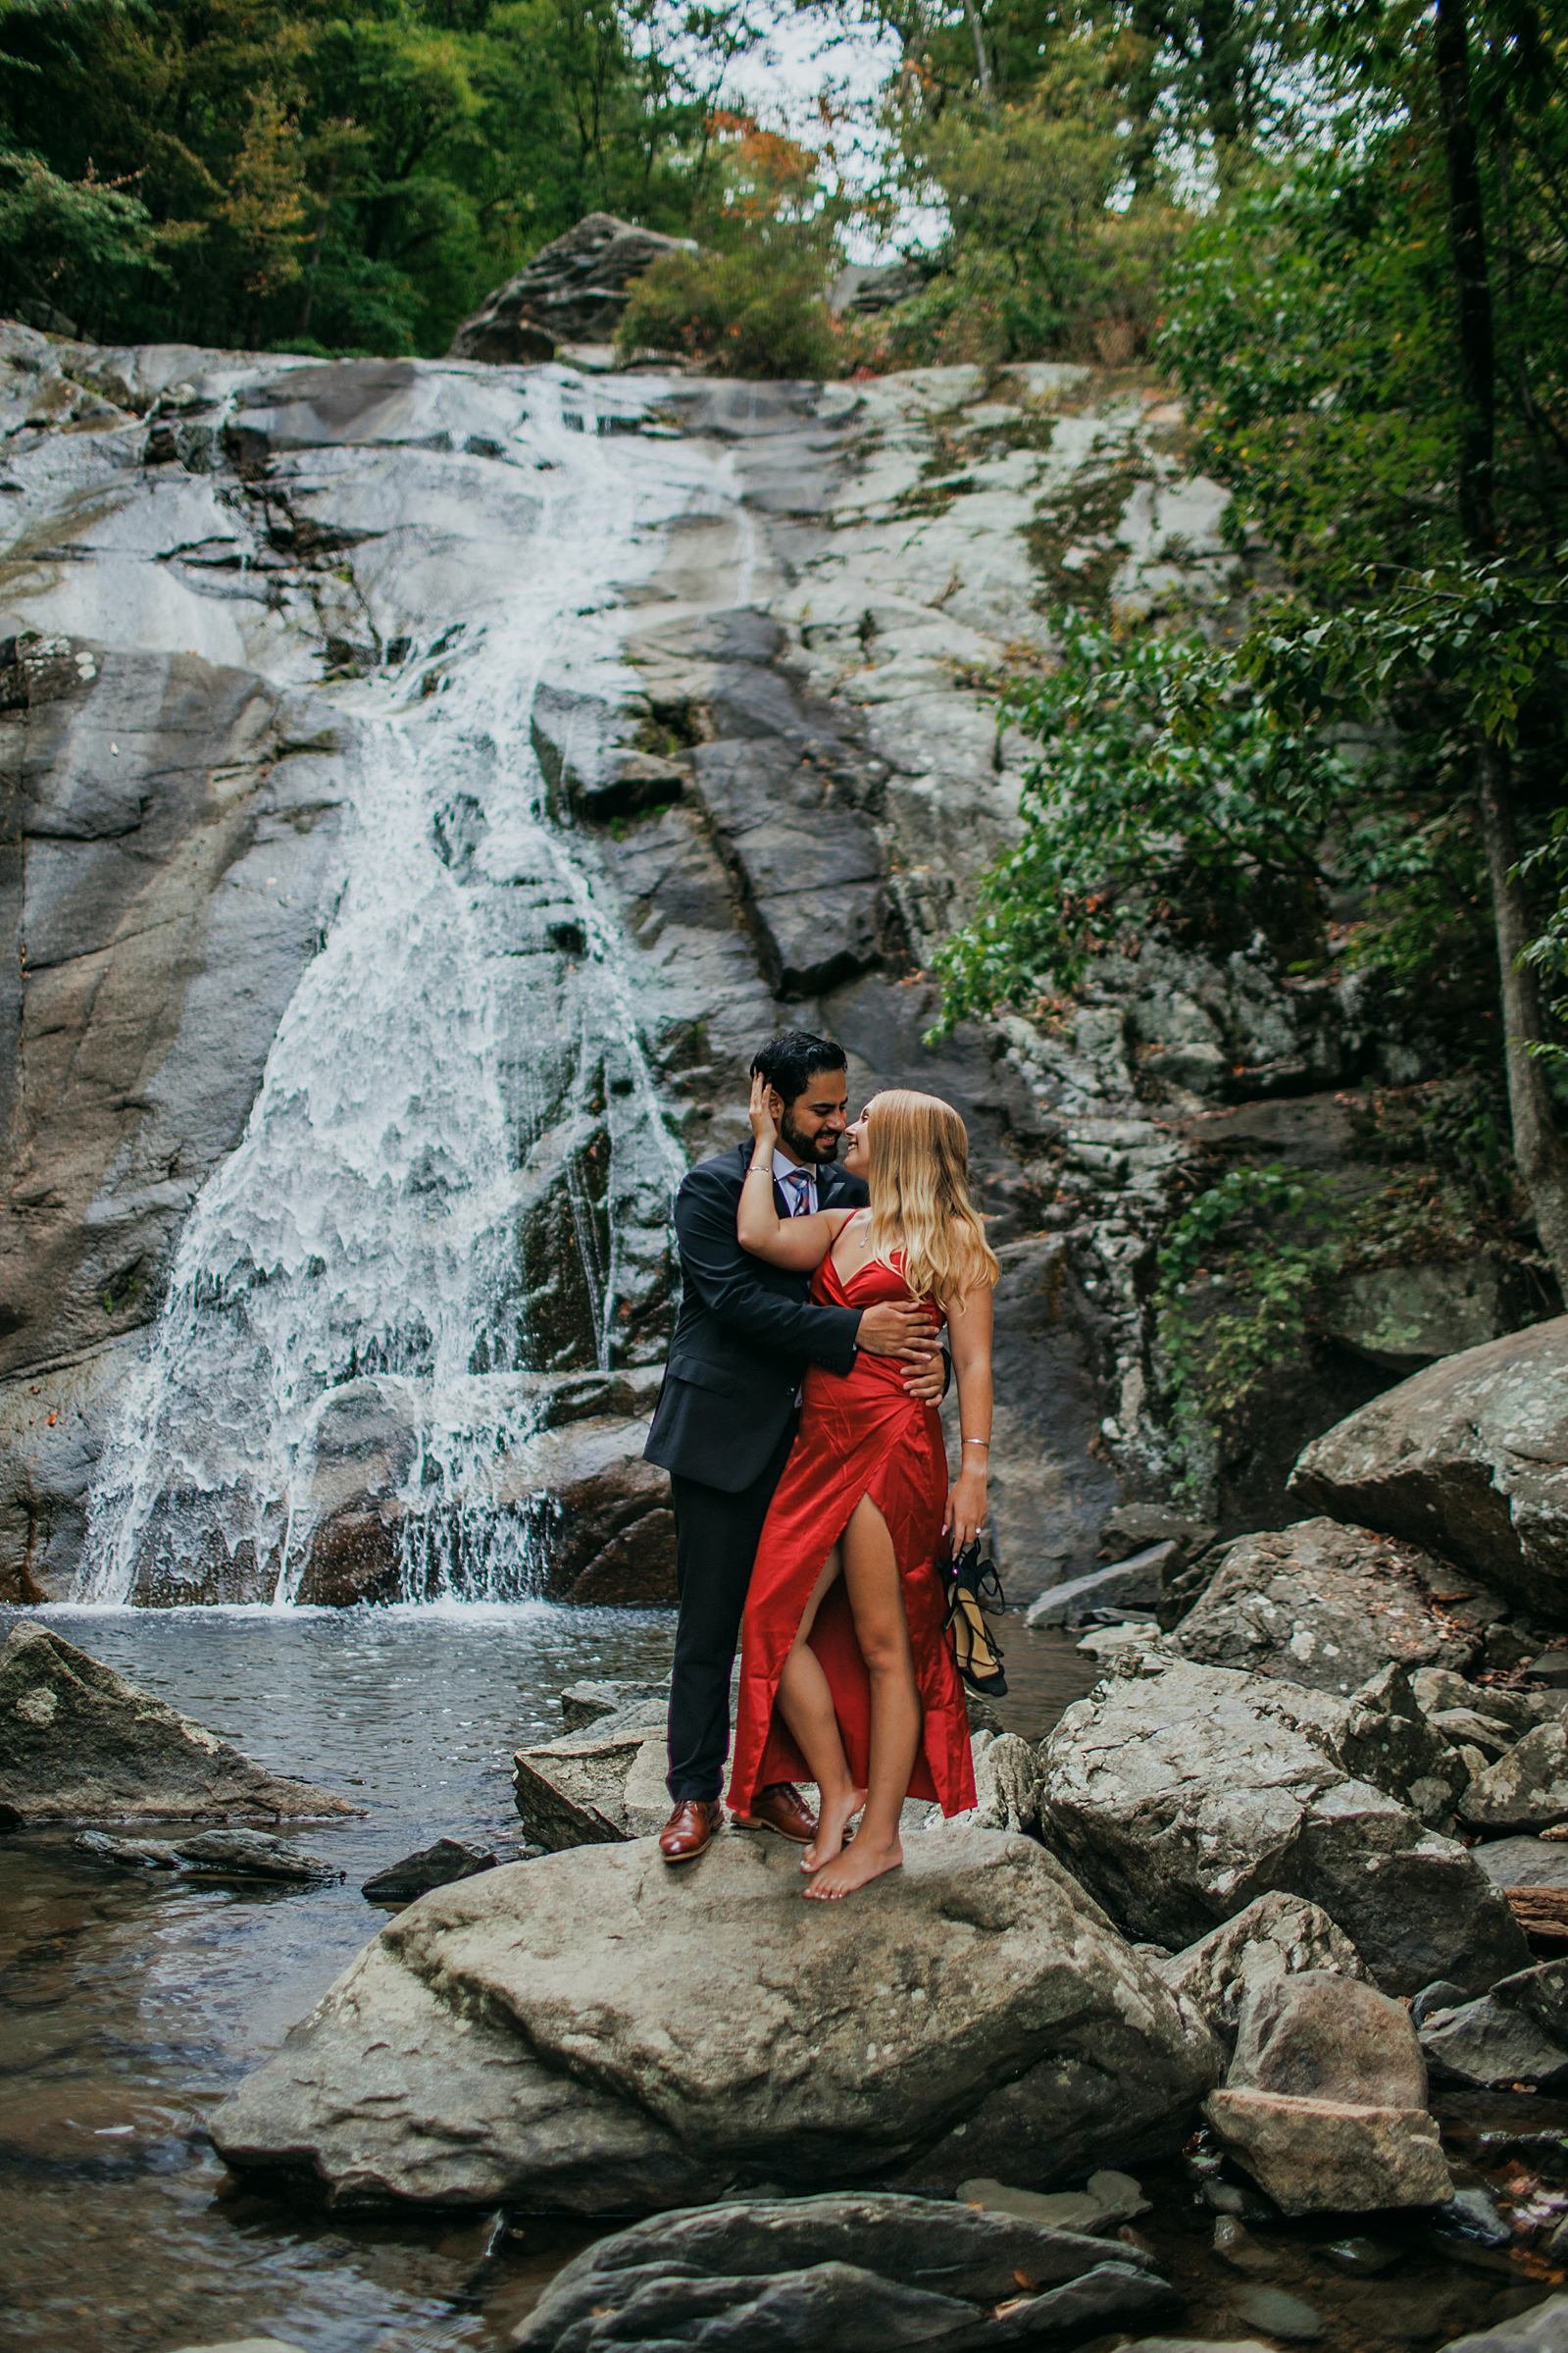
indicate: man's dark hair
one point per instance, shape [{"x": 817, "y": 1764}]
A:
[{"x": 791, "y": 1060}]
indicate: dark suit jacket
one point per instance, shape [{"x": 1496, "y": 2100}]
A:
[{"x": 745, "y": 1335}]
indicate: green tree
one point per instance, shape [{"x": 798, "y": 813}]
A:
[
  {"x": 337, "y": 174},
  {"x": 1371, "y": 330}
]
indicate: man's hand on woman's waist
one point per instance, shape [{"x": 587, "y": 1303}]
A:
[{"x": 901, "y": 1328}]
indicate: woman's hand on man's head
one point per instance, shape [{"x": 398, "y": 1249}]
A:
[{"x": 766, "y": 1111}]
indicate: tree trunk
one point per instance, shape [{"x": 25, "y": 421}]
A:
[
  {"x": 1467, "y": 243},
  {"x": 1539, "y": 1153},
  {"x": 1538, "y": 1150},
  {"x": 983, "y": 73}
]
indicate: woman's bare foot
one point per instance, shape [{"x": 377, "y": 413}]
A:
[
  {"x": 832, "y": 1822},
  {"x": 852, "y": 1867}
]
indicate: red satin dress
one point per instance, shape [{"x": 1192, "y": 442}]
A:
[{"x": 861, "y": 1433}]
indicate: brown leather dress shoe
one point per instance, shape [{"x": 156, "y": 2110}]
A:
[
  {"x": 780, "y": 1808},
  {"x": 689, "y": 1830}
]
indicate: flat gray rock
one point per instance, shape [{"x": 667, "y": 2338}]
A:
[
  {"x": 1524, "y": 1862},
  {"x": 858, "y": 2274},
  {"x": 230, "y": 1855},
  {"x": 537, "y": 2034},
  {"x": 590, "y": 1703},
  {"x": 79, "y": 1744}
]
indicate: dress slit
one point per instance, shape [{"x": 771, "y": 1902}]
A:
[{"x": 862, "y": 1438}]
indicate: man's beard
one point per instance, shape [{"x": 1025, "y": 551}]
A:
[{"x": 807, "y": 1147}]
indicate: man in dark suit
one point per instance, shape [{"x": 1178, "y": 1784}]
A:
[{"x": 727, "y": 1413}]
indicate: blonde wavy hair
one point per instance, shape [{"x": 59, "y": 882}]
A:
[{"x": 917, "y": 1170}]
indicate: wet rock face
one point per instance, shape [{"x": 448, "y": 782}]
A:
[
  {"x": 572, "y": 292},
  {"x": 79, "y": 1743},
  {"x": 788, "y": 787},
  {"x": 854, "y": 2272},
  {"x": 530, "y": 2035},
  {"x": 1180, "y": 1793},
  {"x": 178, "y": 837},
  {"x": 1468, "y": 1458},
  {"x": 169, "y": 826}
]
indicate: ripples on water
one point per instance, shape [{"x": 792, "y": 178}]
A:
[{"x": 129, "y": 2006}]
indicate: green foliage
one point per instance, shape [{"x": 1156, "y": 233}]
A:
[
  {"x": 1164, "y": 793},
  {"x": 759, "y": 314},
  {"x": 68, "y": 236},
  {"x": 1242, "y": 1276},
  {"x": 1238, "y": 1275},
  {"x": 751, "y": 301},
  {"x": 315, "y": 174},
  {"x": 1048, "y": 252},
  {"x": 1306, "y": 322},
  {"x": 1547, "y": 953}
]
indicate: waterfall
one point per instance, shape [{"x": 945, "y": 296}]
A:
[{"x": 455, "y": 1175}]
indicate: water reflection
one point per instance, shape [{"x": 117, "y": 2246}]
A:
[{"x": 129, "y": 2006}]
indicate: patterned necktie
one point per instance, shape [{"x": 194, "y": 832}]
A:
[{"x": 799, "y": 1184}]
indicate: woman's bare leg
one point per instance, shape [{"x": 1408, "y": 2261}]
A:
[
  {"x": 805, "y": 1701},
  {"x": 876, "y": 1599}
]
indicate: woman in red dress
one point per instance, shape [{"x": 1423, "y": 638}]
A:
[{"x": 845, "y": 1676}]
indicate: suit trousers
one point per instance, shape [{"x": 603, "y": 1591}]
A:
[{"x": 716, "y": 1543}]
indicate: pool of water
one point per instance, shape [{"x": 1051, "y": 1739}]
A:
[{"x": 129, "y": 2006}]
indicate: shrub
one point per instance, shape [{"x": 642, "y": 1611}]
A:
[
  {"x": 1163, "y": 794},
  {"x": 756, "y": 312}
]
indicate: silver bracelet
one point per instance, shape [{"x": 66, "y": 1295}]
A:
[
  {"x": 757, "y": 1169},
  {"x": 985, "y": 1441}
]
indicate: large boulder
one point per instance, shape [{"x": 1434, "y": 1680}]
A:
[
  {"x": 1326, "y": 2101},
  {"x": 572, "y": 292},
  {"x": 1321, "y": 1605},
  {"x": 584, "y": 2032},
  {"x": 79, "y": 1744},
  {"x": 858, "y": 2274},
  {"x": 1468, "y": 1458},
  {"x": 1180, "y": 1793}
]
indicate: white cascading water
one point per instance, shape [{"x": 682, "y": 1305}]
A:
[{"x": 457, "y": 1066}]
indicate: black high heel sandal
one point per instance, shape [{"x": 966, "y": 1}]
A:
[{"x": 973, "y": 1588}]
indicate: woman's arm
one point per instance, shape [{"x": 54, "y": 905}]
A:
[
  {"x": 968, "y": 1329},
  {"x": 799, "y": 1243}
]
